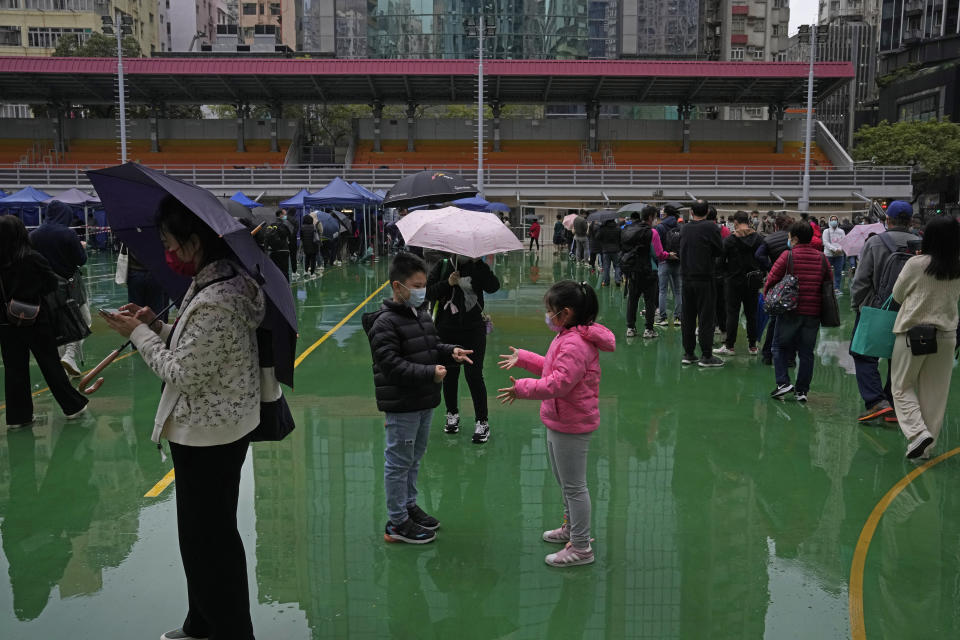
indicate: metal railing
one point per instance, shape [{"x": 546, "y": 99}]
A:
[{"x": 315, "y": 177}]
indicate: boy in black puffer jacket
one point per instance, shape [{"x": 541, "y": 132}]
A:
[{"x": 407, "y": 374}]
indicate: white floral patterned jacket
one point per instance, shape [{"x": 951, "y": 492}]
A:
[{"x": 211, "y": 369}]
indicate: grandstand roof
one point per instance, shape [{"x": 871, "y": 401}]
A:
[{"x": 259, "y": 80}]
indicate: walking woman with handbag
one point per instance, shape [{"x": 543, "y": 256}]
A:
[
  {"x": 927, "y": 290},
  {"x": 25, "y": 279},
  {"x": 209, "y": 405}
]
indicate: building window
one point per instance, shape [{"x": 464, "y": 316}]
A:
[
  {"x": 9, "y": 36},
  {"x": 754, "y": 112},
  {"x": 249, "y": 9},
  {"x": 775, "y": 30},
  {"x": 736, "y": 113},
  {"x": 922, "y": 109},
  {"x": 9, "y": 4},
  {"x": 48, "y": 37},
  {"x": 263, "y": 8},
  {"x": 738, "y": 24},
  {"x": 151, "y": 18},
  {"x": 736, "y": 53},
  {"x": 758, "y": 53},
  {"x": 274, "y": 8}
]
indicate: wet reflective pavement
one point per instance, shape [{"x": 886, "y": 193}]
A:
[{"x": 717, "y": 512}]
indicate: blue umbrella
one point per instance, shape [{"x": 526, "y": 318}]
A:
[
  {"x": 497, "y": 207},
  {"x": 329, "y": 224},
  {"x": 131, "y": 194},
  {"x": 476, "y": 203},
  {"x": 242, "y": 198}
]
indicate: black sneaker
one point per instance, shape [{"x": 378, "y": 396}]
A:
[
  {"x": 423, "y": 518},
  {"x": 409, "y": 532},
  {"x": 689, "y": 359},
  {"x": 781, "y": 390},
  {"x": 800, "y": 396},
  {"x": 711, "y": 362},
  {"x": 453, "y": 423},
  {"x": 481, "y": 432}
]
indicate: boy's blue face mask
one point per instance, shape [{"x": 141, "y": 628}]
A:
[{"x": 417, "y": 296}]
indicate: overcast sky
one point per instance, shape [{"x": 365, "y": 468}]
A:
[{"x": 802, "y": 12}]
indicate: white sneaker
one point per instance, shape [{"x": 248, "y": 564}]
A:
[
  {"x": 481, "y": 432},
  {"x": 74, "y": 416},
  {"x": 178, "y": 634},
  {"x": 70, "y": 366},
  {"x": 631, "y": 332},
  {"x": 453, "y": 423},
  {"x": 650, "y": 334},
  {"x": 724, "y": 351}
]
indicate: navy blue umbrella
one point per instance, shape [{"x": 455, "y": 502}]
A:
[
  {"x": 131, "y": 194},
  {"x": 329, "y": 224}
]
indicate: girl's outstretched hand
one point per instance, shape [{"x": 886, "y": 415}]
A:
[
  {"x": 509, "y": 361},
  {"x": 508, "y": 394}
]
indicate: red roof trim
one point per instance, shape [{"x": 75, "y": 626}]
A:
[{"x": 296, "y": 67}]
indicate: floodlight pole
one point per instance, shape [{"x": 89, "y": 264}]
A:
[
  {"x": 122, "y": 97},
  {"x": 804, "y": 203},
  {"x": 480, "y": 35}
]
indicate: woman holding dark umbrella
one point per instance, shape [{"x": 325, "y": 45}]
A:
[
  {"x": 210, "y": 403},
  {"x": 26, "y": 276}
]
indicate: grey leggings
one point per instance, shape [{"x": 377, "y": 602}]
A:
[{"x": 568, "y": 459}]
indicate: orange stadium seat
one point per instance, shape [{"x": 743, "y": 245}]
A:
[{"x": 177, "y": 152}]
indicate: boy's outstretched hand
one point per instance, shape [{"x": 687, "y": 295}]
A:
[
  {"x": 462, "y": 355},
  {"x": 508, "y": 394},
  {"x": 509, "y": 361},
  {"x": 439, "y": 373}
]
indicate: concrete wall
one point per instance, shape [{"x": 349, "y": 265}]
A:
[
  {"x": 576, "y": 129},
  {"x": 90, "y": 129}
]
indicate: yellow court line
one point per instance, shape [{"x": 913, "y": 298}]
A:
[
  {"x": 167, "y": 479},
  {"x": 857, "y": 626},
  {"x": 45, "y": 389}
]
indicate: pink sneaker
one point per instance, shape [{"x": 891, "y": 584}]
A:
[
  {"x": 560, "y": 535},
  {"x": 570, "y": 557}
]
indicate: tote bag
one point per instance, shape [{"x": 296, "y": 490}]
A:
[
  {"x": 829, "y": 309},
  {"x": 123, "y": 265},
  {"x": 874, "y": 335}
]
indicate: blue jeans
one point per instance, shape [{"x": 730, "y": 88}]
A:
[
  {"x": 668, "y": 274},
  {"x": 611, "y": 258},
  {"x": 795, "y": 336},
  {"x": 406, "y": 435},
  {"x": 837, "y": 263}
]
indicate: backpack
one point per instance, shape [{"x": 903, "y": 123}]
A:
[
  {"x": 273, "y": 238},
  {"x": 671, "y": 244},
  {"x": 638, "y": 259},
  {"x": 892, "y": 266}
]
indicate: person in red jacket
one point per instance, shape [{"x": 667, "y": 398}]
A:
[
  {"x": 796, "y": 331},
  {"x": 535, "y": 234},
  {"x": 817, "y": 241}
]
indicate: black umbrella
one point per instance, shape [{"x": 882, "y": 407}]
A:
[
  {"x": 428, "y": 187},
  {"x": 131, "y": 194},
  {"x": 602, "y": 215},
  {"x": 234, "y": 208},
  {"x": 345, "y": 221}
]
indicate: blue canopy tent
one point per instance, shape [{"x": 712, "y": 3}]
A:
[
  {"x": 476, "y": 203},
  {"x": 242, "y": 198},
  {"x": 295, "y": 202},
  {"x": 372, "y": 198},
  {"x": 339, "y": 193},
  {"x": 372, "y": 206},
  {"x": 28, "y": 203}
]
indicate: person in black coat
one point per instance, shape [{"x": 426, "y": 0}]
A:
[
  {"x": 407, "y": 373},
  {"x": 457, "y": 285},
  {"x": 608, "y": 237},
  {"x": 310, "y": 239},
  {"x": 742, "y": 279},
  {"x": 26, "y": 276}
]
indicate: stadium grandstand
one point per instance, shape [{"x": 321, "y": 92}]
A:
[{"x": 526, "y": 159}]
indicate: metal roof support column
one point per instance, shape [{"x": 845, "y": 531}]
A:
[
  {"x": 777, "y": 111},
  {"x": 276, "y": 112},
  {"x": 411, "y": 126},
  {"x": 241, "y": 113},
  {"x": 377, "y": 118},
  {"x": 593, "y": 115},
  {"x": 59, "y": 136},
  {"x": 496, "y": 106},
  {"x": 154, "y": 128},
  {"x": 685, "y": 116}
]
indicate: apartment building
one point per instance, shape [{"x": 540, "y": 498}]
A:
[{"x": 186, "y": 25}]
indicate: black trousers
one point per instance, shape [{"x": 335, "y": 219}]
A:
[
  {"x": 534, "y": 240},
  {"x": 721, "y": 302},
  {"x": 310, "y": 262},
  {"x": 208, "y": 488},
  {"x": 16, "y": 345},
  {"x": 699, "y": 308},
  {"x": 647, "y": 287},
  {"x": 767, "y": 350},
  {"x": 739, "y": 294},
  {"x": 475, "y": 339},
  {"x": 282, "y": 260}
]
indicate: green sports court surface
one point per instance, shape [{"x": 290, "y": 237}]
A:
[{"x": 717, "y": 512}]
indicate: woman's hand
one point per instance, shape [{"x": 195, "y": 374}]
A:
[
  {"x": 508, "y": 394},
  {"x": 462, "y": 355},
  {"x": 454, "y": 279},
  {"x": 143, "y": 314},
  {"x": 439, "y": 373},
  {"x": 122, "y": 323},
  {"x": 509, "y": 361}
]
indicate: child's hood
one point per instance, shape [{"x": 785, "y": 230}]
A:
[{"x": 597, "y": 335}]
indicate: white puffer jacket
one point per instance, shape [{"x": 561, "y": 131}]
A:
[{"x": 211, "y": 370}]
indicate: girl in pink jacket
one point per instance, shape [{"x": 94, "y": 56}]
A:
[{"x": 569, "y": 386}]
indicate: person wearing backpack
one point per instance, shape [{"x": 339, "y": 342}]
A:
[
  {"x": 768, "y": 252},
  {"x": 881, "y": 260},
  {"x": 640, "y": 250},
  {"x": 927, "y": 290},
  {"x": 276, "y": 242},
  {"x": 608, "y": 239},
  {"x": 797, "y": 329},
  {"x": 742, "y": 277},
  {"x": 668, "y": 270},
  {"x": 310, "y": 238}
]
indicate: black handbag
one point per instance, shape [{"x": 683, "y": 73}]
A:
[
  {"x": 922, "y": 339},
  {"x": 66, "y": 319},
  {"x": 19, "y": 313},
  {"x": 829, "y": 308}
]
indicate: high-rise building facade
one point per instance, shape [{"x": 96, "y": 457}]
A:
[
  {"x": 868, "y": 11},
  {"x": 35, "y": 27},
  {"x": 187, "y": 25},
  {"x": 744, "y": 31},
  {"x": 655, "y": 28}
]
